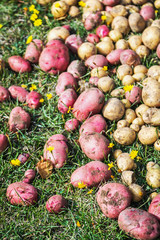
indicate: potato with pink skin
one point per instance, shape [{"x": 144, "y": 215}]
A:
[
  {"x": 3, "y": 142},
  {"x": 94, "y": 81},
  {"x": 88, "y": 103},
  {"x": 154, "y": 207},
  {"x": 55, "y": 43},
  {"x": 66, "y": 100},
  {"x": 18, "y": 64},
  {"x": 19, "y": 119},
  {"x": 4, "y": 94},
  {"x": 29, "y": 175},
  {"x": 20, "y": 193},
  {"x": 92, "y": 20},
  {"x": 130, "y": 58},
  {"x": 139, "y": 224},
  {"x": 76, "y": 68},
  {"x": 73, "y": 42},
  {"x": 65, "y": 81},
  {"x": 18, "y": 93},
  {"x": 33, "y": 51},
  {"x": 110, "y": 2},
  {"x": 58, "y": 156},
  {"x": 158, "y": 50},
  {"x": 114, "y": 56},
  {"x": 113, "y": 198},
  {"x": 135, "y": 95},
  {"x": 71, "y": 124},
  {"x": 147, "y": 12},
  {"x": 93, "y": 124},
  {"x": 56, "y": 204},
  {"x": 94, "y": 145},
  {"x": 92, "y": 38},
  {"x": 33, "y": 100},
  {"x": 91, "y": 174},
  {"x": 95, "y": 61},
  {"x": 102, "y": 31},
  {"x": 23, "y": 157}
]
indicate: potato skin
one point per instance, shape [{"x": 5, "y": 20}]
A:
[
  {"x": 19, "y": 119},
  {"x": 88, "y": 103},
  {"x": 71, "y": 124},
  {"x": 73, "y": 42},
  {"x": 124, "y": 136},
  {"x": 150, "y": 37},
  {"x": 152, "y": 116},
  {"x": 4, "y": 94},
  {"x": 77, "y": 69},
  {"x": 151, "y": 93},
  {"x": 91, "y": 174},
  {"x": 66, "y": 100},
  {"x": 95, "y": 61},
  {"x": 3, "y": 142},
  {"x": 33, "y": 51},
  {"x": 139, "y": 224},
  {"x": 130, "y": 58},
  {"x": 154, "y": 207},
  {"x": 56, "y": 204},
  {"x": 18, "y": 64},
  {"x": 94, "y": 145},
  {"x": 113, "y": 198},
  {"x": 18, "y": 92},
  {"x": 65, "y": 81},
  {"x": 136, "y": 22},
  {"x": 147, "y": 135},
  {"x": 33, "y": 100},
  {"x": 113, "y": 109}
]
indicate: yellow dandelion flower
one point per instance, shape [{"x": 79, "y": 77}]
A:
[
  {"x": 110, "y": 145},
  {"x": 103, "y": 18},
  {"x": 105, "y": 68},
  {"x": 41, "y": 100},
  {"x": 1, "y": 25},
  {"x": 33, "y": 17},
  {"x": 81, "y": 185},
  {"x": 128, "y": 88},
  {"x": 31, "y": 8},
  {"x": 49, "y": 95},
  {"x": 24, "y": 86},
  {"x": 35, "y": 11},
  {"x": 110, "y": 165},
  {"x": 89, "y": 192},
  {"x": 78, "y": 224},
  {"x": 38, "y": 22},
  {"x": 112, "y": 176},
  {"x": 33, "y": 87},
  {"x": 50, "y": 148},
  {"x": 57, "y": 5},
  {"x": 133, "y": 154},
  {"x": 29, "y": 39},
  {"x": 156, "y": 11},
  {"x": 15, "y": 162},
  {"x": 82, "y": 4},
  {"x": 69, "y": 109}
]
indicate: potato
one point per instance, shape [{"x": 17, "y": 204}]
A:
[
  {"x": 119, "y": 10},
  {"x": 126, "y": 103},
  {"x": 19, "y": 93},
  {"x": 86, "y": 50},
  {"x": 77, "y": 69},
  {"x": 125, "y": 2},
  {"x": 121, "y": 23},
  {"x": 128, "y": 80},
  {"x": 4, "y": 94},
  {"x": 74, "y": 11},
  {"x": 65, "y": 81},
  {"x": 91, "y": 174},
  {"x": 33, "y": 51},
  {"x": 73, "y": 42},
  {"x": 151, "y": 37},
  {"x": 113, "y": 198},
  {"x": 157, "y": 145},
  {"x": 154, "y": 207},
  {"x": 138, "y": 224},
  {"x": 71, "y": 2},
  {"x": 140, "y": 69},
  {"x": 83, "y": 85},
  {"x": 124, "y": 70},
  {"x": 136, "y": 22},
  {"x": 138, "y": 121},
  {"x": 152, "y": 116},
  {"x": 141, "y": 110},
  {"x": 94, "y": 81},
  {"x": 88, "y": 103},
  {"x": 125, "y": 162},
  {"x": 153, "y": 175},
  {"x": 142, "y": 51},
  {"x": 157, "y": 4},
  {"x": 138, "y": 77},
  {"x": 102, "y": 31},
  {"x": 33, "y": 100},
  {"x": 92, "y": 38},
  {"x": 59, "y": 9},
  {"x": 115, "y": 35},
  {"x": 92, "y": 20},
  {"x": 29, "y": 175},
  {"x": 122, "y": 44},
  {"x": 113, "y": 109},
  {"x": 20, "y": 193},
  {"x": 23, "y": 157},
  {"x": 147, "y": 135},
  {"x": 93, "y": 124},
  {"x": 135, "y": 95},
  {"x": 128, "y": 177},
  {"x": 18, "y": 64},
  {"x": 151, "y": 93},
  {"x": 124, "y": 136},
  {"x": 71, "y": 124},
  {"x": 93, "y": 6},
  {"x": 110, "y": 2},
  {"x": 43, "y": 2},
  {"x": 137, "y": 192},
  {"x": 130, "y": 58},
  {"x": 58, "y": 156},
  {"x": 106, "y": 84},
  {"x": 139, "y": 2},
  {"x": 122, "y": 123},
  {"x": 94, "y": 145},
  {"x": 132, "y": 8},
  {"x": 147, "y": 12},
  {"x": 56, "y": 204},
  {"x": 66, "y": 100},
  {"x": 114, "y": 56},
  {"x": 135, "y": 41},
  {"x": 116, "y": 153},
  {"x": 98, "y": 72},
  {"x": 135, "y": 127},
  {"x": 95, "y": 61},
  {"x": 154, "y": 72},
  {"x": 58, "y": 33},
  {"x": 3, "y": 142},
  {"x": 156, "y": 23},
  {"x": 19, "y": 119},
  {"x": 118, "y": 93},
  {"x": 105, "y": 47}
]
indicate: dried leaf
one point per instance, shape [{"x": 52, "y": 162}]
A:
[{"x": 44, "y": 167}]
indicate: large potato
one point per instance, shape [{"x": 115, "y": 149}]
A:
[
  {"x": 19, "y": 64},
  {"x": 124, "y": 136},
  {"x": 121, "y": 23},
  {"x": 154, "y": 72},
  {"x": 130, "y": 58},
  {"x": 77, "y": 69},
  {"x": 148, "y": 135},
  {"x": 151, "y": 37},
  {"x": 106, "y": 84},
  {"x": 151, "y": 93},
  {"x": 95, "y": 61},
  {"x": 113, "y": 109},
  {"x": 18, "y": 93},
  {"x": 152, "y": 116},
  {"x": 65, "y": 81},
  {"x": 136, "y": 22},
  {"x": 59, "y": 9},
  {"x": 154, "y": 207},
  {"x": 86, "y": 50},
  {"x": 93, "y": 6}
]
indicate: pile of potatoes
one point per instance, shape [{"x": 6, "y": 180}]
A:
[{"x": 121, "y": 33}]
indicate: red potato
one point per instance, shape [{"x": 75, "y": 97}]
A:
[
  {"x": 91, "y": 174},
  {"x": 33, "y": 100},
  {"x": 139, "y": 224},
  {"x": 3, "y": 142},
  {"x": 158, "y": 50},
  {"x": 23, "y": 157},
  {"x": 54, "y": 59},
  {"x": 88, "y": 103},
  {"x": 93, "y": 124},
  {"x": 154, "y": 207},
  {"x": 66, "y": 100},
  {"x": 33, "y": 51},
  {"x": 71, "y": 124},
  {"x": 20, "y": 193},
  {"x": 18, "y": 64},
  {"x": 18, "y": 93},
  {"x": 130, "y": 57},
  {"x": 147, "y": 12},
  {"x": 102, "y": 31},
  {"x": 92, "y": 20},
  {"x": 19, "y": 119},
  {"x": 95, "y": 61},
  {"x": 58, "y": 156},
  {"x": 54, "y": 43},
  {"x": 77, "y": 69},
  {"x": 114, "y": 56},
  {"x": 110, "y": 2},
  {"x": 113, "y": 198},
  {"x": 135, "y": 95},
  {"x": 56, "y": 204},
  {"x": 67, "y": 27},
  {"x": 73, "y": 42},
  {"x": 94, "y": 81},
  {"x": 29, "y": 175},
  {"x": 95, "y": 146},
  {"x": 4, "y": 94},
  {"x": 92, "y": 38},
  {"x": 65, "y": 81}
]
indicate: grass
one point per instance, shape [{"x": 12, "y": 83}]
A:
[{"x": 35, "y": 222}]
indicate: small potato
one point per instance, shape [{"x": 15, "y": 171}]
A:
[
  {"x": 4, "y": 94},
  {"x": 116, "y": 153},
  {"x": 157, "y": 145},
  {"x": 152, "y": 116},
  {"x": 114, "y": 56},
  {"x": 147, "y": 135},
  {"x": 126, "y": 103},
  {"x": 98, "y": 72},
  {"x": 119, "y": 10},
  {"x": 118, "y": 93},
  {"x": 110, "y": 3},
  {"x": 125, "y": 162},
  {"x": 66, "y": 100},
  {"x": 77, "y": 69},
  {"x": 138, "y": 77},
  {"x": 153, "y": 175},
  {"x": 65, "y": 81},
  {"x": 19, "y": 93},
  {"x": 122, "y": 44},
  {"x": 156, "y": 23},
  {"x": 135, "y": 41},
  {"x": 124, "y": 70},
  {"x": 113, "y": 109},
  {"x": 122, "y": 123},
  {"x": 29, "y": 176},
  {"x": 128, "y": 177},
  {"x": 92, "y": 20},
  {"x": 153, "y": 195},
  {"x": 33, "y": 51},
  {"x": 33, "y": 100},
  {"x": 136, "y": 22},
  {"x": 92, "y": 38},
  {"x": 102, "y": 31},
  {"x": 59, "y": 9},
  {"x": 154, "y": 72},
  {"x": 132, "y": 8},
  {"x": 86, "y": 50},
  {"x": 140, "y": 69},
  {"x": 157, "y": 4},
  {"x": 58, "y": 33},
  {"x": 126, "y": 2},
  {"x": 147, "y": 12},
  {"x": 56, "y": 204},
  {"x": 121, "y": 23},
  {"x": 128, "y": 80},
  {"x": 23, "y": 157},
  {"x": 18, "y": 64},
  {"x": 142, "y": 51},
  {"x": 106, "y": 84},
  {"x": 130, "y": 57},
  {"x": 115, "y": 35},
  {"x": 105, "y": 47},
  {"x": 151, "y": 93},
  {"x": 138, "y": 121},
  {"x": 3, "y": 142},
  {"x": 73, "y": 42},
  {"x": 94, "y": 81},
  {"x": 95, "y": 61},
  {"x": 92, "y": 6},
  {"x": 135, "y": 95},
  {"x": 151, "y": 37},
  {"x": 83, "y": 86},
  {"x": 141, "y": 109},
  {"x": 135, "y": 127},
  {"x": 124, "y": 136},
  {"x": 71, "y": 124}
]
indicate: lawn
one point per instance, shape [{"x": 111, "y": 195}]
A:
[{"x": 83, "y": 218}]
